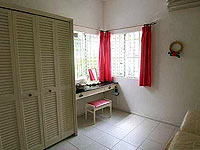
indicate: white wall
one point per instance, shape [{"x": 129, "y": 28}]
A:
[
  {"x": 176, "y": 82},
  {"x": 84, "y": 12}
]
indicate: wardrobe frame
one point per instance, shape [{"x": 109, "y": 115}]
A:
[{"x": 17, "y": 8}]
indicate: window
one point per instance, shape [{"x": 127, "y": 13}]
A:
[
  {"x": 125, "y": 52},
  {"x": 86, "y": 47}
]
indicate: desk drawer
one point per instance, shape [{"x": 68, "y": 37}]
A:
[
  {"x": 110, "y": 87},
  {"x": 89, "y": 93}
]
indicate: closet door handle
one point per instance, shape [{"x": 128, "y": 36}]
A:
[
  {"x": 50, "y": 91},
  {"x": 30, "y": 95}
]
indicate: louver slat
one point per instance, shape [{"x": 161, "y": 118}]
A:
[
  {"x": 48, "y": 80},
  {"x": 8, "y": 126},
  {"x": 50, "y": 116},
  {"x": 67, "y": 111},
  {"x": 32, "y": 122},
  {"x": 25, "y": 60},
  {"x": 65, "y": 76},
  {"x": 9, "y": 135},
  {"x": 5, "y": 56},
  {"x": 63, "y": 48},
  {"x": 47, "y": 53},
  {"x": 27, "y": 75}
]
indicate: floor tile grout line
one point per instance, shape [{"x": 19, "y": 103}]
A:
[
  {"x": 157, "y": 141},
  {"x": 131, "y": 131},
  {"x": 116, "y": 143},
  {"x": 102, "y": 144},
  {"x": 115, "y": 127},
  {"x": 127, "y": 119},
  {"x": 146, "y": 138},
  {"x": 153, "y": 130},
  {"x": 90, "y": 139},
  {"x": 129, "y": 143},
  {"x": 151, "y": 141},
  {"x": 113, "y": 135},
  {"x": 73, "y": 145},
  {"x": 138, "y": 124},
  {"x": 121, "y": 139},
  {"x": 94, "y": 140}
]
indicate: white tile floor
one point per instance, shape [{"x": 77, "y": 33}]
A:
[{"x": 122, "y": 131}]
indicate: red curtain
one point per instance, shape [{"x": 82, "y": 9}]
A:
[
  {"x": 105, "y": 57},
  {"x": 145, "y": 64}
]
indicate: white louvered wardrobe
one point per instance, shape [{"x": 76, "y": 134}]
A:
[{"x": 37, "y": 99}]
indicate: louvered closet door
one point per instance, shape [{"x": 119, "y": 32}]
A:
[
  {"x": 25, "y": 44},
  {"x": 63, "y": 42},
  {"x": 46, "y": 37},
  {"x": 9, "y": 134}
]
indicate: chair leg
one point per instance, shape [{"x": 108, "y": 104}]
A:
[
  {"x": 94, "y": 115},
  {"x": 111, "y": 110},
  {"x": 85, "y": 112}
]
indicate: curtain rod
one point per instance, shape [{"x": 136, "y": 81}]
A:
[
  {"x": 153, "y": 23},
  {"x": 139, "y": 25},
  {"x": 86, "y": 27}
]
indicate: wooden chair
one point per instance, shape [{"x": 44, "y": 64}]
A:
[{"x": 93, "y": 106}]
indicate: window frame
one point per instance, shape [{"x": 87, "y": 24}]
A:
[
  {"x": 124, "y": 57},
  {"x": 85, "y": 52}
]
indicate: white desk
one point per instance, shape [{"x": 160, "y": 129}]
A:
[{"x": 98, "y": 90}]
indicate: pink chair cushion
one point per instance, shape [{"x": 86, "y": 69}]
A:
[{"x": 99, "y": 103}]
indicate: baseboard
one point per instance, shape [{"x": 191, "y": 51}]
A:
[{"x": 161, "y": 121}]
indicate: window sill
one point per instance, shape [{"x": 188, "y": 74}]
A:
[{"x": 127, "y": 78}]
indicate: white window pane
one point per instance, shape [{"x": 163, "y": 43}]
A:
[
  {"x": 126, "y": 53},
  {"x": 129, "y": 67},
  {"x": 137, "y": 67},
  {"x": 137, "y": 35},
  {"x": 79, "y": 48},
  {"x": 132, "y": 67},
  {"x": 86, "y": 49},
  {"x": 118, "y": 69},
  {"x": 92, "y": 51},
  {"x": 117, "y": 54}
]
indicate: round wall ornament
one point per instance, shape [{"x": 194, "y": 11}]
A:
[{"x": 175, "y": 52}]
